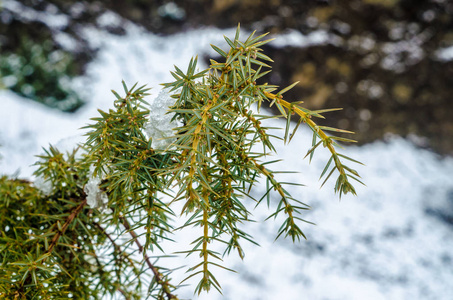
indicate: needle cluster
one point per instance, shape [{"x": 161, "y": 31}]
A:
[{"x": 68, "y": 240}]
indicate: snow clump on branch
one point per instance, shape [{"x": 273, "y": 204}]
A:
[
  {"x": 96, "y": 198},
  {"x": 160, "y": 125}
]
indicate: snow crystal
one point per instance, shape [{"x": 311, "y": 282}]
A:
[
  {"x": 96, "y": 198},
  {"x": 160, "y": 126}
]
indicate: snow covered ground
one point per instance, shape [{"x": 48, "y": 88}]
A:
[{"x": 393, "y": 241}]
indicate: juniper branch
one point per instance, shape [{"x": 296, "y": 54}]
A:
[
  {"x": 154, "y": 269},
  {"x": 123, "y": 293},
  {"x": 116, "y": 247},
  {"x": 60, "y": 232}
]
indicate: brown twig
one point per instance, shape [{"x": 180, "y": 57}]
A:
[
  {"x": 115, "y": 245},
  {"x": 57, "y": 236},
  {"x": 61, "y": 231},
  {"x": 121, "y": 253},
  {"x": 123, "y": 293},
  {"x": 157, "y": 275}
]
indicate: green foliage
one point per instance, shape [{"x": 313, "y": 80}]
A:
[
  {"x": 70, "y": 243},
  {"x": 38, "y": 72}
]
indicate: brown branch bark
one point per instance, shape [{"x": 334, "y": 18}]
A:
[
  {"x": 57, "y": 236},
  {"x": 124, "y": 294},
  {"x": 61, "y": 231},
  {"x": 157, "y": 275},
  {"x": 116, "y": 247}
]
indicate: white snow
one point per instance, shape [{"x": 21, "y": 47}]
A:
[
  {"x": 52, "y": 17},
  {"x": 95, "y": 197},
  {"x": 389, "y": 242},
  {"x": 160, "y": 126},
  {"x": 295, "y": 38}
]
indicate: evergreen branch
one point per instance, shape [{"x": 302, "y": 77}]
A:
[
  {"x": 343, "y": 185},
  {"x": 211, "y": 158},
  {"x": 61, "y": 231},
  {"x": 157, "y": 274},
  {"x": 205, "y": 250},
  {"x": 289, "y": 226},
  {"x": 116, "y": 247},
  {"x": 123, "y": 292},
  {"x": 53, "y": 243}
]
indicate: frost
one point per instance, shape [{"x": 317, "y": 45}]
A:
[
  {"x": 44, "y": 185},
  {"x": 96, "y": 198},
  {"x": 160, "y": 126}
]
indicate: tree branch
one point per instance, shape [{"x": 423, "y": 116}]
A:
[
  {"x": 157, "y": 275},
  {"x": 61, "y": 231},
  {"x": 123, "y": 293},
  {"x": 121, "y": 253}
]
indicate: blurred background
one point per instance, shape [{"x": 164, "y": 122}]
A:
[{"x": 388, "y": 63}]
